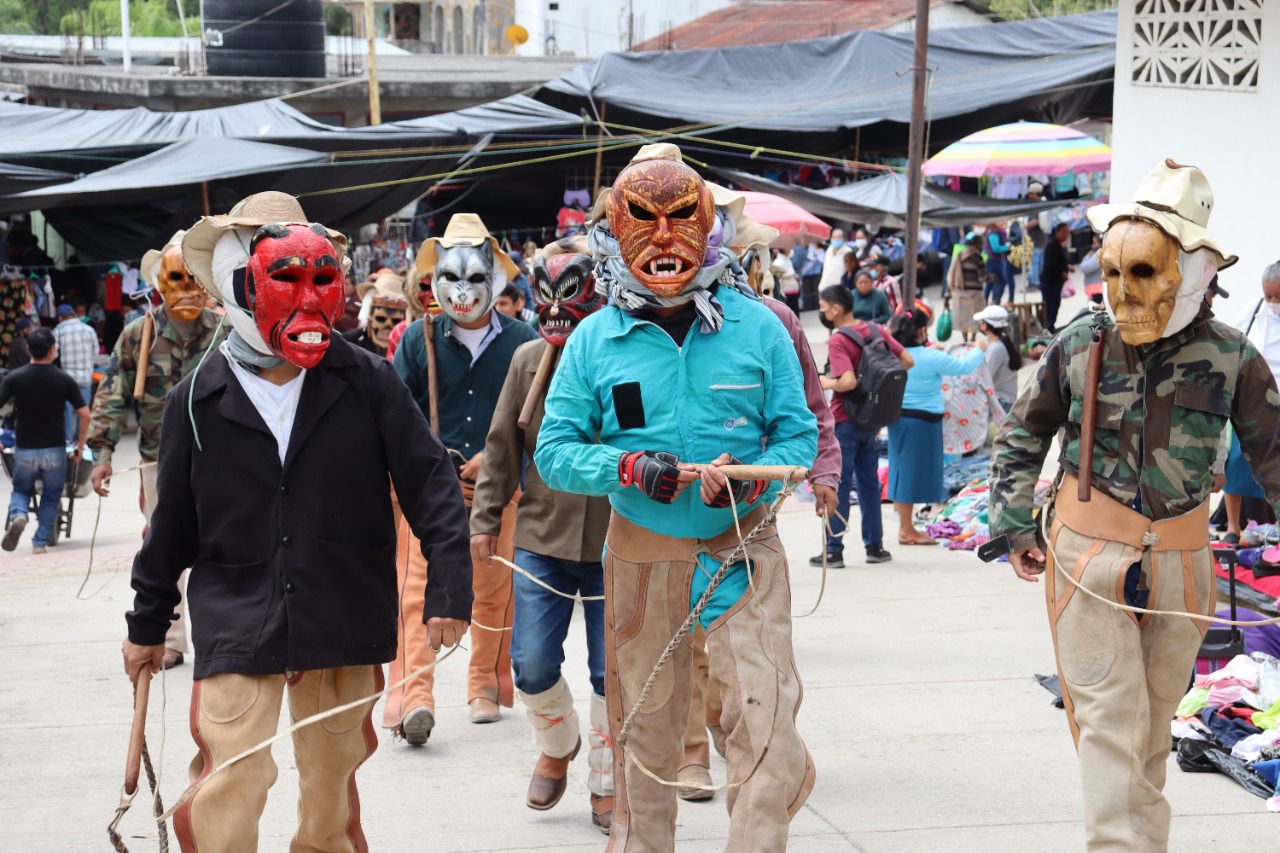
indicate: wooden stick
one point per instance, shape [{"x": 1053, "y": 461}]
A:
[
  {"x": 133, "y": 760},
  {"x": 785, "y": 473},
  {"x": 433, "y": 397},
  {"x": 546, "y": 366},
  {"x": 144, "y": 354}
]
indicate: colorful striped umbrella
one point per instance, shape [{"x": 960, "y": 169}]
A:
[{"x": 1022, "y": 148}]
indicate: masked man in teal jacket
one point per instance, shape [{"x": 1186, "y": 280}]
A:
[{"x": 684, "y": 366}]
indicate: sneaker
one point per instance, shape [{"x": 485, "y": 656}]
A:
[
  {"x": 417, "y": 726},
  {"x": 877, "y": 554},
  {"x": 834, "y": 561},
  {"x": 17, "y": 524},
  {"x": 39, "y": 549}
]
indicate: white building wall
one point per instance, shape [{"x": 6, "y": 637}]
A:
[
  {"x": 942, "y": 18},
  {"x": 1231, "y": 135},
  {"x": 592, "y": 27}
]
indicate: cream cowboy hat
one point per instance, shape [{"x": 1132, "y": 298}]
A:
[
  {"x": 464, "y": 229},
  {"x": 150, "y": 268},
  {"x": 255, "y": 211},
  {"x": 386, "y": 286},
  {"x": 722, "y": 196},
  {"x": 1176, "y": 199}
]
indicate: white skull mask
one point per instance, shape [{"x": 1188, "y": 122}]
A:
[
  {"x": 384, "y": 317},
  {"x": 464, "y": 282}
]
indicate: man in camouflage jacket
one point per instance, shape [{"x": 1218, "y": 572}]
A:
[
  {"x": 182, "y": 331},
  {"x": 1171, "y": 379}
]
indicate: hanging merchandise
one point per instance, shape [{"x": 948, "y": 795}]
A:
[
  {"x": 113, "y": 285},
  {"x": 943, "y": 330}
]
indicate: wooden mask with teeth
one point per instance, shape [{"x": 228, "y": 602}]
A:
[
  {"x": 294, "y": 288},
  {"x": 564, "y": 292},
  {"x": 661, "y": 213}
]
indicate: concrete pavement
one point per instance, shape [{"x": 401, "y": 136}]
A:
[{"x": 920, "y": 710}]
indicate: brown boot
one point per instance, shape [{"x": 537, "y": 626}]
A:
[
  {"x": 695, "y": 769},
  {"x": 602, "y": 813},
  {"x": 550, "y": 778}
]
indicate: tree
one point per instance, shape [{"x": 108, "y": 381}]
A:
[
  {"x": 1016, "y": 10},
  {"x": 15, "y": 18},
  {"x": 146, "y": 18}
]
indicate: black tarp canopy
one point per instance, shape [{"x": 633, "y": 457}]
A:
[
  {"x": 851, "y": 80},
  {"x": 881, "y": 202}
]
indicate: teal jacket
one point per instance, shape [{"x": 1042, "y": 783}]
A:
[{"x": 623, "y": 385}]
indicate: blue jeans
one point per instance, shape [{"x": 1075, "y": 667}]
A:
[
  {"x": 859, "y": 468},
  {"x": 541, "y": 620},
  {"x": 998, "y": 266},
  {"x": 1037, "y": 261},
  {"x": 72, "y": 419},
  {"x": 49, "y": 466}
]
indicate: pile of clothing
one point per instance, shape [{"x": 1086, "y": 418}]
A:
[
  {"x": 1229, "y": 722},
  {"x": 962, "y": 524}
]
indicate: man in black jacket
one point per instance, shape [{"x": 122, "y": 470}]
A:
[{"x": 286, "y": 524}]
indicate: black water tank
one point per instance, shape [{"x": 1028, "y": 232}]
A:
[{"x": 287, "y": 42}]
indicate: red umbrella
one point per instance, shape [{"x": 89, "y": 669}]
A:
[{"x": 793, "y": 222}]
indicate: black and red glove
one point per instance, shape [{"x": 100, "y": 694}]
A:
[
  {"x": 655, "y": 474},
  {"x": 744, "y": 491}
]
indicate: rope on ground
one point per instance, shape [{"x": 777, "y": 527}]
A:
[
  {"x": 300, "y": 724},
  {"x": 93, "y": 541},
  {"x": 1144, "y": 611},
  {"x": 540, "y": 582},
  {"x": 824, "y": 530}
]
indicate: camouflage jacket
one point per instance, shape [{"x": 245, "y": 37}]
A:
[
  {"x": 171, "y": 359},
  {"x": 1161, "y": 410}
]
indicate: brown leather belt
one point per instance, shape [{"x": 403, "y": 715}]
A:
[{"x": 1104, "y": 517}]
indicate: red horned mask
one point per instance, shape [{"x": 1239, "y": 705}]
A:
[
  {"x": 564, "y": 292},
  {"x": 295, "y": 290},
  {"x": 661, "y": 213}
]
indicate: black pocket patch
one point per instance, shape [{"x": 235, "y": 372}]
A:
[{"x": 628, "y": 406}]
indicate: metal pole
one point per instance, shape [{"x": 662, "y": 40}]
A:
[
  {"x": 124, "y": 31},
  {"x": 915, "y": 153},
  {"x": 371, "y": 65}
]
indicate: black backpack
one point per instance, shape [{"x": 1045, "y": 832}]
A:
[{"x": 882, "y": 381}]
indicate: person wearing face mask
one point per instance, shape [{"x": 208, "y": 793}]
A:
[
  {"x": 869, "y": 302},
  {"x": 1263, "y": 331},
  {"x": 833, "y": 259},
  {"x": 858, "y": 454},
  {"x": 181, "y": 332},
  {"x": 1136, "y": 397}
]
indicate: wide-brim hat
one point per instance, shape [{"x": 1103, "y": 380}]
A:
[
  {"x": 387, "y": 285},
  {"x": 1176, "y": 199},
  {"x": 464, "y": 229},
  {"x": 150, "y": 267},
  {"x": 255, "y": 211}
]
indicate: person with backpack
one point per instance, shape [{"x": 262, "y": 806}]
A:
[
  {"x": 915, "y": 439},
  {"x": 863, "y": 357}
]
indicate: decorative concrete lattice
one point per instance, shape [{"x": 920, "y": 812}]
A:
[{"x": 1197, "y": 44}]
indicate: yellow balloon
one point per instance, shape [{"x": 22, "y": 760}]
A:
[{"x": 517, "y": 34}]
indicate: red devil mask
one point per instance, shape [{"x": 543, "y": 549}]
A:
[
  {"x": 295, "y": 290},
  {"x": 661, "y": 213},
  {"x": 564, "y": 291}
]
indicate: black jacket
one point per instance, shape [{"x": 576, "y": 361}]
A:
[{"x": 294, "y": 568}]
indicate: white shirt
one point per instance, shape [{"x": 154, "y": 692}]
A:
[
  {"x": 277, "y": 404},
  {"x": 1265, "y": 335},
  {"x": 833, "y": 265},
  {"x": 478, "y": 340}
]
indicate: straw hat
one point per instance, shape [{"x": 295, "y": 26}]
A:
[
  {"x": 387, "y": 286},
  {"x": 723, "y": 196},
  {"x": 464, "y": 229},
  {"x": 268, "y": 208},
  {"x": 1176, "y": 199},
  {"x": 151, "y": 260}
]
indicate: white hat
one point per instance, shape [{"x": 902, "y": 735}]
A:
[
  {"x": 1176, "y": 199},
  {"x": 994, "y": 316}
]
